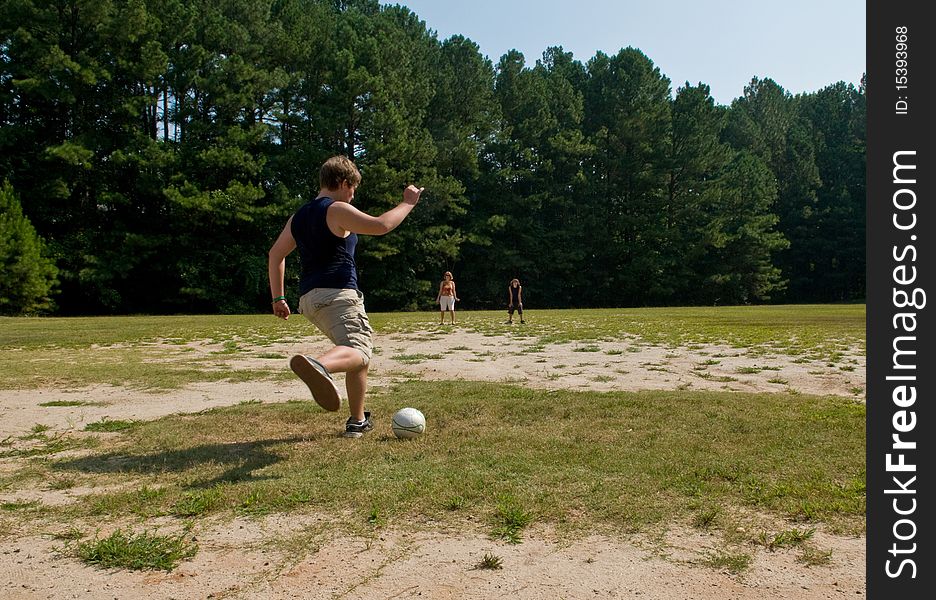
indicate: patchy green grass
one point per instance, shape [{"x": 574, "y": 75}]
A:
[
  {"x": 70, "y": 403},
  {"x": 37, "y": 432},
  {"x": 490, "y": 561},
  {"x": 823, "y": 331},
  {"x": 39, "y": 444},
  {"x": 456, "y": 502},
  {"x": 707, "y": 517},
  {"x": 137, "y": 551},
  {"x": 733, "y": 562},
  {"x": 110, "y": 425},
  {"x": 199, "y": 502},
  {"x": 785, "y": 539},
  {"x": 510, "y": 518},
  {"x": 813, "y": 557},
  {"x": 62, "y": 483},
  {"x": 500, "y": 454},
  {"x": 709, "y": 377},
  {"x": 17, "y": 505},
  {"x": 142, "y": 367},
  {"x": 46, "y": 333},
  {"x": 496, "y": 456},
  {"x": 412, "y": 359},
  {"x": 141, "y": 352},
  {"x": 154, "y": 352},
  {"x": 70, "y": 535}
]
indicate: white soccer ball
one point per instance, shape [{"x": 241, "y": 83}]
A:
[{"x": 408, "y": 423}]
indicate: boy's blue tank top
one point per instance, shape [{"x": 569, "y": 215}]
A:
[{"x": 327, "y": 260}]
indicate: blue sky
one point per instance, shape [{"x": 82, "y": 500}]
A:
[{"x": 804, "y": 45}]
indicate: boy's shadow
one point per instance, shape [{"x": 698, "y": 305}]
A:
[{"x": 243, "y": 457}]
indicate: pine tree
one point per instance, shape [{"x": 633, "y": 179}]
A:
[{"x": 27, "y": 273}]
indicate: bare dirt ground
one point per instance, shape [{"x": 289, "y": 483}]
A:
[{"x": 236, "y": 559}]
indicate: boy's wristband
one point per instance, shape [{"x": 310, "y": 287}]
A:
[{"x": 278, "y": 298}]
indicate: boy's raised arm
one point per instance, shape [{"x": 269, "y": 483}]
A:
[{"x": 351, "y": 219}]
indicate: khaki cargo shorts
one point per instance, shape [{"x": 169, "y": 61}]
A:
[{"x": 340, "y": 315}]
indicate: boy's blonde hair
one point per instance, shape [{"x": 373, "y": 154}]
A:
[{"x": 337, "y": 169}]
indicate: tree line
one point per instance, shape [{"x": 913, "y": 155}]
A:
[{"x": 154, "y": 148}]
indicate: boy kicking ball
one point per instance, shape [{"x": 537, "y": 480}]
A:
[{"x": 325, "y": 230}]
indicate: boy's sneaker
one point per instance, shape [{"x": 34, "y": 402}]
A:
[
  {"x": 356, "y": 429},
  {"x": 319, "y": 380}
]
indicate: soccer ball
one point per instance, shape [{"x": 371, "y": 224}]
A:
[{"x": 408, "y": 423}]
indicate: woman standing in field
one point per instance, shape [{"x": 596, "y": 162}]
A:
[
  {"x": 446, "y": 297},
  {"x": 514, "y": 300}
]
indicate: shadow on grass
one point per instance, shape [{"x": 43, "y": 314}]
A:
[{"x": 241, "y": 460}]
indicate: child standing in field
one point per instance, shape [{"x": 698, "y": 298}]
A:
[
  {"x": 325, "y": 230},
  {"x": 446, "y": 297},
  {"x": 514, "y": 300}
]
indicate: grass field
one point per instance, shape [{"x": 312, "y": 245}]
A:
[{"x": 762, "y": 469}]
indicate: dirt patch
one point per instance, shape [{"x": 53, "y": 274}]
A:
[
  {"x": 456, "y": 354},
  {"x": 627, "y": 366},
  {"x": 241, "y": 559},
  {"x": 236, "y": 560}
]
